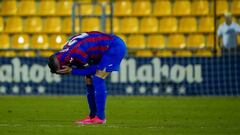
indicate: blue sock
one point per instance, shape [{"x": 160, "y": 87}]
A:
[
  {"x": 91, "y": 100},
  {"x": 100, "y": 96}
]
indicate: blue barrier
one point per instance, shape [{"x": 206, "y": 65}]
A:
[{"x": 138, "y": 76}]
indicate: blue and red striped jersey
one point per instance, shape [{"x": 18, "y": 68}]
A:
[{"x": 85, "y": 48}]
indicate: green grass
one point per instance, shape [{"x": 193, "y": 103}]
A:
[{"x": 50, "y": 115}]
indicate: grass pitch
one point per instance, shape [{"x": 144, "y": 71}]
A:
[{"x": 50, "y": 115}]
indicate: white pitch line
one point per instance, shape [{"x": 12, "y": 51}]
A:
[{"x": 59, "y": 125}]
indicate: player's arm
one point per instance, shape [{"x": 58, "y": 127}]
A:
[
  {"x": 219, "y": 37},
  {"x": 83, "y": 70}
]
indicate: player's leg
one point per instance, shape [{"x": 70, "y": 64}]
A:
[
  {"x": 101, "y": 92},
  {"x": 109, "y": 62},
  {"x": 91, "y": 102},
  {"x": 91, "y": 96}
]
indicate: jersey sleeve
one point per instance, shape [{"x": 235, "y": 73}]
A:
[
  {"x": 237, "y": 27},
  {"x": 80, "y": 56},
  {"x": 219, "y": 31}
]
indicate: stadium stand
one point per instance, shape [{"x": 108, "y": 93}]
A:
[
  {"x": 67, "y": 25},
  {"x": 20, "y": 41},
  {"x": 144, "y": 53},
  {"x": 206, "y": 24},
  {"x": 33, "y": 25},
  {"x": 168, "y": 25},
  {"x": 166, "y": 53},
  {"x": 136, "y": 41},
  {"x": 182, "y": 7},
  {"x": 57, "y": 41},
  {"x": 4, "y": 41},
  {"x": 64, "y": 8},
  {"x": 200, "y": 7},
  {"x": 52, "y": 25},
  {"x": 149, "y": 25},
  {"x": 116, "y": 24},
  {"x": 176, "y": 41},
  {"x": 129, "y": 25},
  {"x": 91, "y": 24},
  {"x": 183, "y": 53},
  {"x": 156, "y": 41},
  {"x": 154, "y": 24},
  {"x": 142, "y": 8},
  {"x": 123, "y": 8},
  {"x": 235, "y": 7},
  {"x": 39, "y": 41},
  {"x": 196, "y": 41},
  {"x": 47, "y": 7},
  {"x": 221, "y": 7},
  {"x": 9, "y": 7},
  {"x": 162, "y": 8},
  {"x": 14, "y": 25},
  {"x": 187, "y": 25},
  {"x": 26, "y": 8},
  {"x": 1, "y": 24}
]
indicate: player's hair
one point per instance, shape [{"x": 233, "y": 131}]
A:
[{"x": 53, "y": 63}]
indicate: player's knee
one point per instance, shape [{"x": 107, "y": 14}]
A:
[
  {"x": 102, "y": 74},
  {"x": 88, "y": 80}
]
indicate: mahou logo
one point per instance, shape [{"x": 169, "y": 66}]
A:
[
  {"x": 22, "y": 73},
  {"x": 155, "y": 72}
]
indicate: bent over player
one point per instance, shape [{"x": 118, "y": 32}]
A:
[{"x": 93, "y": 55}]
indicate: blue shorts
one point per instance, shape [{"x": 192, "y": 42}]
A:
[{"x": 111, "y": 60}]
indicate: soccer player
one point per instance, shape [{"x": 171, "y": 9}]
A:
[{"x": 93, "y": 55}]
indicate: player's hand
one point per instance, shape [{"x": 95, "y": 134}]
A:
[{"x": 65, "y": 70}]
